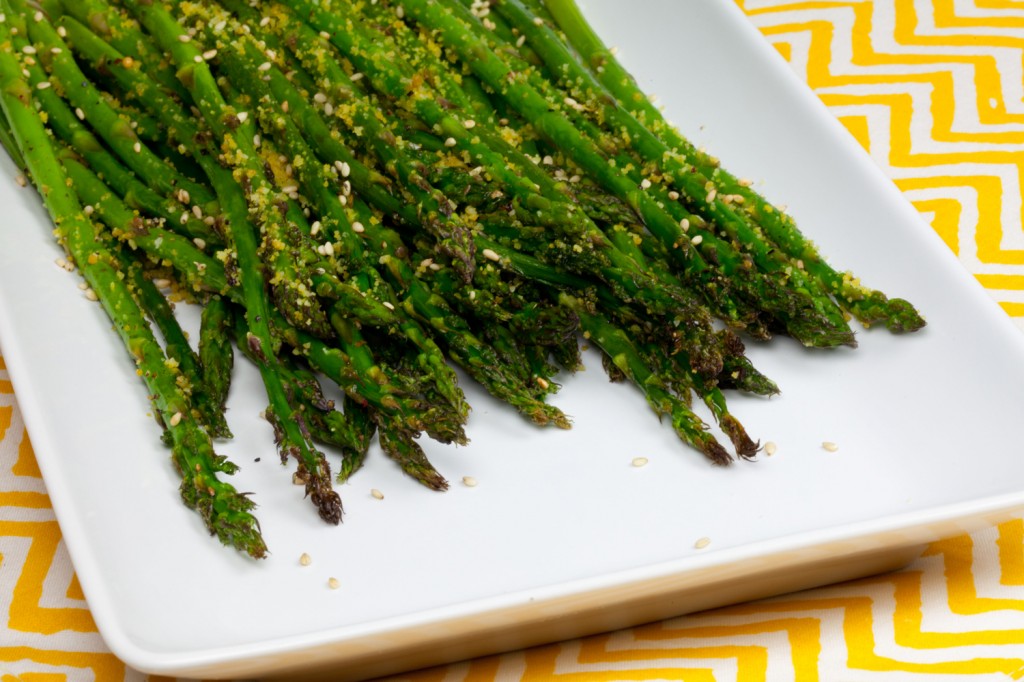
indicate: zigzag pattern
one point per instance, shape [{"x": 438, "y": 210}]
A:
[{"x": 933, "y": 91}]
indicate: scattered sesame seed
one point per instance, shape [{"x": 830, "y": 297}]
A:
[
  {"x": 28, "y": 49},
  {"x": 305, "y": 559},
  {"x": 745, "y": 183},
  {"x": 257, "y": 140},
  {"x": 702, "y": 543},
  {"x": 450, "y": 142},
  {"x": 355, "y": 77},
  {"x": 242, "y": 116},
  {"x": 388, "y": 305},
  {"x": 38, "y": 16},
  {"x": 83, "y": 286},
  {"x": 711, "y": 195},
  {"x": 645, "y": 184},
  {"x": 490, "y": 255},
  {"x": 547, "y": 160},
  {"x": 197, "y": 212},
  {"x": 377, "y": 494},
  {"x": 830, "y": 446},
  {"x": 315, "y": 227},
  {"x": 639, "y": 461},
  {"x": 161, "y": 283},
  {"x": 770, "y": 448},
  {"x": 60, "y": 263},
  {"x": 426, "y": 262},
  {"x": 469, "y": 123},
  {"x": 521, "y": 40},
  {"x": 3, "y": 18},
  {"x": 343, "y": 199},
  {"x": 176, "y": 419},
  {"x": 538, "y": 21},
  {"x": 55, "y": 50},
  {"x": 400, "y": 12},
  {"x": 198, "y": 59},
  {"x": 325, "y": 35},
  {"x": 543, "y": 383},
  {"x": 328, "y": 249},
  {"x": 184, "y": 218},
  {"x": 43, "y": 85},
  {"x": 184, "y": 196},
  {"x": 184, "y": 37},
  {"x": 209, "y": 54},
  {"x": 673, "y": 195},
  {"x": 346, "y": 188},
  {"x": 264, "y": 21},
  {"x": 199, "y": 242},
  {"x": 333, "y": 583},
  {"x": 469, "y": 481},
  {"x": 319, "y": 98},
  {"x": 697, "y": 240},
  {"x": 21, "y": 180},
  {"x": 358, "y": 228},
  {"x": 284, "y": 106}
]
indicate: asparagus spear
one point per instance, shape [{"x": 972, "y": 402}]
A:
[{"x": 225, "y": 511}]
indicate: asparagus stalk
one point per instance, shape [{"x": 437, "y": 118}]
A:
[{"x": 225, "y": 511}]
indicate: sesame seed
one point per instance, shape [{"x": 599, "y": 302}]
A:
[
  {"x": 711, "y": 195},
  {"x": 469, "y": 481},
  {"x": 325, "y": 35},
  {"x": 673, "y": 195},
  {"x": 264, "y": 21},
  {"x": 450, "y": 142},
  {"x": 343, "y": 199},
  {"x": 315, "y": 227},
  {"x": 639, "y": 461},
  {"x": 319, "y": 98},
  {"x": 543, "y": 383},
  {"x": 284, "y": 106},
  {"x": 490, "y": 255},
  {"x": 198, "y": 59},
  {"x": 400, "y": 12},
  {"x": 83, "y": 286},
  {"x": 184, "y": 37},
  {"x": 3, "y": 18},
  {"x": 61, "y": 263},
  {"x": 358, "y": 228},
  {"x": 426, "y": 262},
  {"x": 377, "y": 494},
  {"x": 183, "y": 196},
  {"x": 257, "y": 140},
  {"x": 645, "y": 184},
  {"x": 770, "y": 448},
  {"x": 346, "y": 188},
  {"x": 830, "y": 446},
  {"x": 547, "y": 160},
  {"x": 702, "y": 543},
  {"x": 538, "y": 21},
  {"x": 290, "y": 189},
  {"x": 333, "y": 583},
  {"x": 38, "y": 16},
  {"x": 197, "y": 212},
  {"x": 184, "y": 218},
  {"x": 345, "y": 169},
  {"x": 176, "y": 419},
  {"x": 469, "y": 123},
  {"x": 55, "y": 50},
  {"x": 329, "y": 109},
  {"x": 243, "y": 116},
  {"x": 199, "y": 242},
  {"x": 697, "y": 240},
  {"x": 328, "y": 249},
  {"x": 297, "y": 479},
  {"x": 355, "y": 77},
  {"x": 388, "y": 305},
  {"x": 91, "y": 295},
  {"x": 161, "y": 283},
  {"x": 521, "y": 41},
  {"x": 28, "y": 49},
  {"x": 21, "y": 181},
  {"x": 43, "y": 85},
  {"x": 209, "y": 54},
  {"x": 80, "y": 114},
  {"x": 745, "y": 183},
  {"x": 305, "y": 559},
  {"x": 137, "y": 147}
]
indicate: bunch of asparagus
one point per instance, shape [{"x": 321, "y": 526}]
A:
[{"x": 369, "y": 191}]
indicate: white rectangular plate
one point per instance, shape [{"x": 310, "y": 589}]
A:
[{"x": 562, "y": 535}]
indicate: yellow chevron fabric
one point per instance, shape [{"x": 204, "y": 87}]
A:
[{"x": 934, "y": 90}]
